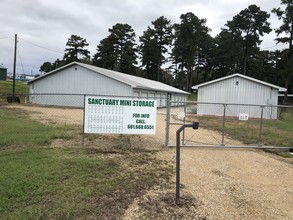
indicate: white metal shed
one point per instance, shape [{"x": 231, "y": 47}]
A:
[
  {"x": 77, "y": 79},
  {"x": 247, "y": 92}
]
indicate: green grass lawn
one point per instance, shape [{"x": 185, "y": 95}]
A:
[
  {"x": 19, "y": 130},
  {"x": 41, "y": 182},
  {"x": 51, "y": 183},
  {"x": 59, "y": 183}
]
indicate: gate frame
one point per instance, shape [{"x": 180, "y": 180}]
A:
[{"x": 184, "y": 103}]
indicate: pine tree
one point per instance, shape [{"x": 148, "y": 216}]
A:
[
  {"x": 154, "y": 45},
  {"x": 75, "y": 47},
  {"x": 286, "y": 29},
  {"x": 118, "y": 50}
]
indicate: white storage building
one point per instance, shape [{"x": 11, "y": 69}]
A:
[
  {"x": 247, "y": 93},
  {"x": 67, "y": 85}
]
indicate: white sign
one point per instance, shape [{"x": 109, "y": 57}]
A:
[
  {"x": 243, "y": 116},
  {"x": 113, "y": 115}
]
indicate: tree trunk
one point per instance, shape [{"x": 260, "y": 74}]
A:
[
  {"x": 285, "y": 101},
  {"x": 189, "y": 80}
]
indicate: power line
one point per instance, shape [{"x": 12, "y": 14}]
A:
[
  {"x": 6, "y": 38},
  {"x": 20, "y": 60},
  {"x": 42, "y": 47}
]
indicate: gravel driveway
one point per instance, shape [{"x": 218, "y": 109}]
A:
[{"x": 237, "y": 184}]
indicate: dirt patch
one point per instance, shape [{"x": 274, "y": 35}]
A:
[
  {"x": 51, "y": 115},
  {"x": 160, "y": 204}
]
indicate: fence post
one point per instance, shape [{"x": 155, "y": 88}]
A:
[
  {"x": 223, "y": 126},
  {"x": 83, "y": 120},
  {"x": 168, "y": 120},
  {"x": 261, "y": 125},
  {"x": 183, "y": 132}
]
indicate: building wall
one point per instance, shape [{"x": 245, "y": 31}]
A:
[
  {"x": 237, "y": 90},
  {"x": 75, "y": 80},
  {"x": 79, "y": 80},
  {"x": 161, "y": 97}
]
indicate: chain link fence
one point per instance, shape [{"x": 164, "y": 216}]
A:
[
  {"x": 66, "y": 110},
  {"x": 223, "y": 124},
  {"x": 220, "y": 124}
]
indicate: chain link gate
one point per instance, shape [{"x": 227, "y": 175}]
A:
[{"x": 226, "y": 124}]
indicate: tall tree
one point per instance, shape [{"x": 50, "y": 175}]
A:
[
  {"x": 263, "y": 65},
  {"x": 75, "y": 47},
  {"x": 206, "y": 59},
  {"x": 46, "y": 67},
  {"x": 105, "y": 56},
  {"x": 286, "y": 29},
  {"x": 118, "y": 50},
  {"x": 189, "y": 37},
  {"x": 250, "y": 24},
  {"x": 228, "y": 53},
  {"x": 154, "y": 45},
  {"x": 149, "y": 54}
]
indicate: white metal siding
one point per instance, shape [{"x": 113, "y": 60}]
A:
[
  {"x": 86, "y": 79},
  {"x": 76, "y": 80},
  {"x": 160, "y": 97},
  {"x": 237, "y": 90},
  {"x": 81, "y": 81},
  {"x": 58, "y": 100}
]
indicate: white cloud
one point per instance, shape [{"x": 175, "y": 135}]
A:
[{"x": 50, "y": 23}]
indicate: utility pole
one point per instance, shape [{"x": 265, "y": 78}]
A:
[{"x": 14, "y": 68}]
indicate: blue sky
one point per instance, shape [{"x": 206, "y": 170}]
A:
[{"x": 44, "y": 26}]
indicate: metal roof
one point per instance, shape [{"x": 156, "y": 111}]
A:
[
  {"x": 281, "y": 89},
  {"x": 133, "y": 81}
]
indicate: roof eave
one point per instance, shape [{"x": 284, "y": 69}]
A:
[
  {"x": 282, "y": 89},
  {"x": 161, "y": 90},
  {"x": 49, "y": 73}
]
